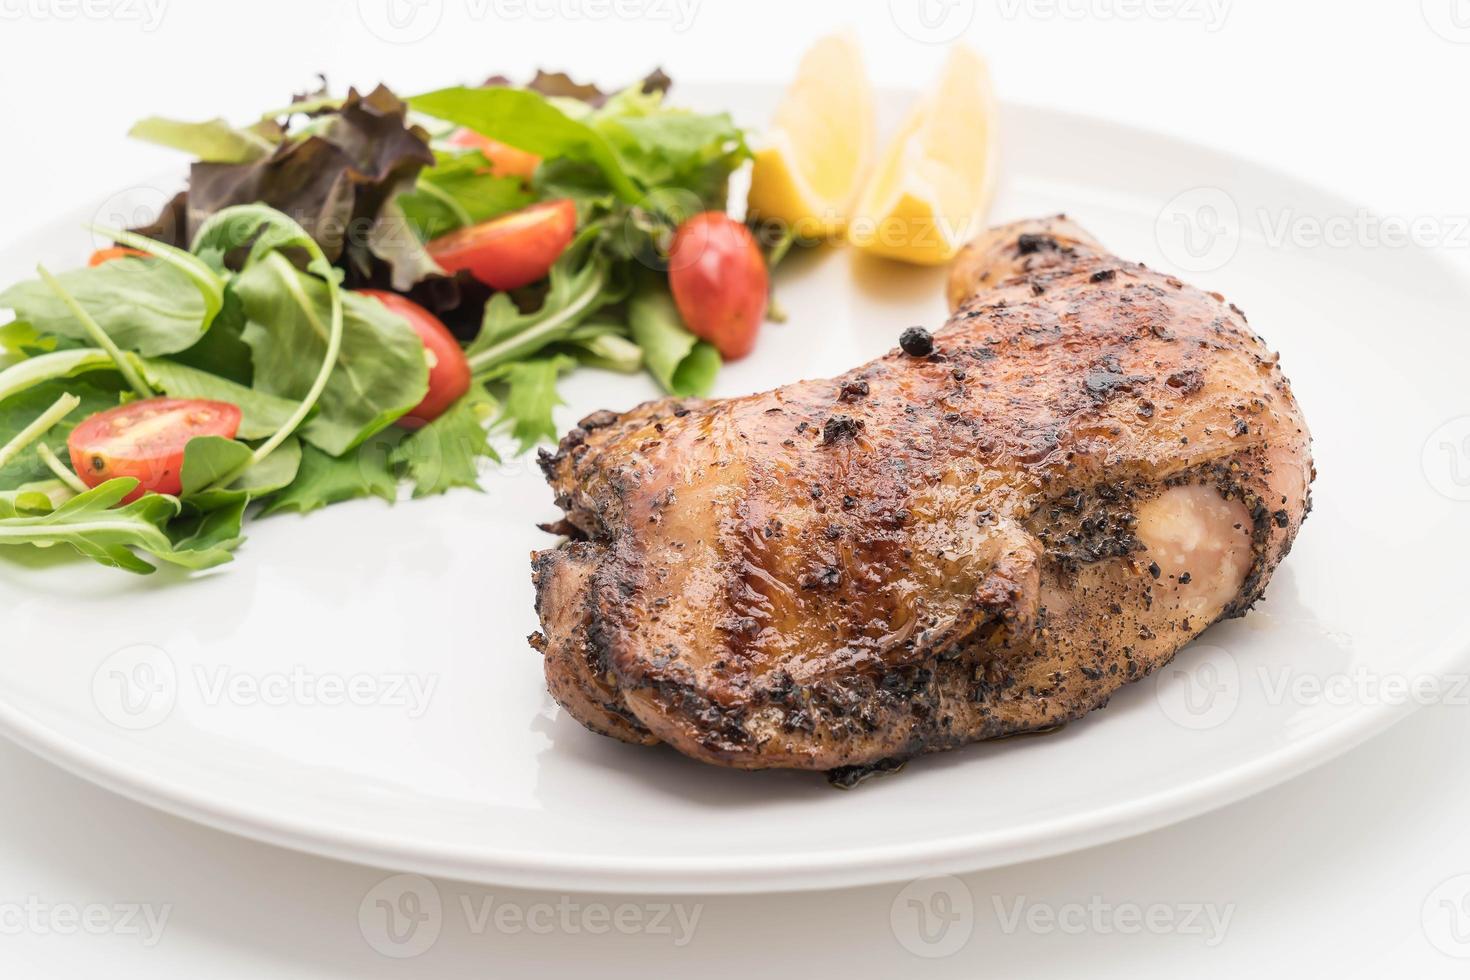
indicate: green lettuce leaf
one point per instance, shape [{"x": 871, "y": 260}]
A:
[
  {"x": 530, "y": 398},
  {"x": 682, "y": 364},
  {"x": 145, "y": 305},
  {"x": 205, "y": 538},
  {"x": 459, "y": 190},
  {"x": 214, "y": 140},
  {"x": 446, "y": 452},
  {"x": 528, "y": 121},
  {"x": 579, "y": 284},
  {"x": 260, "y": 413},
  {"x": 208, "y": 459},
  {"x": 324, "y": 479},
  {"x": 20, "y": 410},
  {"x": 96, "y": 527},
  {"x": 380, "y": 372}
]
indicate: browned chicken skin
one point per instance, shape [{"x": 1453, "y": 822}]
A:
[{"x": 1094, "y": 463}]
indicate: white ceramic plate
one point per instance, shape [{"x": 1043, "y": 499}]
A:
[{"x": 276, "y": 697}]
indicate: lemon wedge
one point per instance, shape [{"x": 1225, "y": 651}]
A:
[
  {"x": 820, "y": 145},
  {"x": 931, "y": 191}
]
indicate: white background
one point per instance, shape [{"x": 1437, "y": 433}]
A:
[{"x": 1332, "y": 874}]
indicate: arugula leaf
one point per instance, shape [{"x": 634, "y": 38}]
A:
[
  {"x": 380, "y": 371},
  {"x": 682, "y": 363},
  {"x": 214, "y": 140},
  {"x": 23, "y": 340},
  {"x": 530, "y": 398},
  {"x": 96, "y": 527},
  {"x": 324, "y": 479},
  {"x": 47, "y": 367},
  {"x": 269, "y": 229},
  {"x": 221, "y": 351},
  {"x": 577, "y": 286},
  {"x": 446, "y": 452},
  {"x": 605, "y": 345},
  {"x": 459, "y": 190},
  {"x": 273, "y": 473},
  {"x": 208, "y": 459},
  {"x": 205, "y": 538},
  {"x": 527, "y": 121},
  {"x": 665, "y": 147},
  {"x": 34, "y": 499},
  {"x": 144, "y": 305},
  {"x": 260, "y": 413},
  {"x": 20, "y": 410}
]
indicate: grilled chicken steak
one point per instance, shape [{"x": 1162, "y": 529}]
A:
[{"x": 981, "y": 533}]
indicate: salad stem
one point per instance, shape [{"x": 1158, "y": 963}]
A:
[
  {"x": 43, "y": 423},
  {"x": 62, "y": 471},
  {"x": 305, "y": 106},
  {"x": 47, "y": 367},
  {"x": 256, "y": 216},
  {"x": 528, "y": 341},
  {"x": 210, "y": 286},
  {"x": 98, "y": 335},
  {"x": 287, "y": 272}
]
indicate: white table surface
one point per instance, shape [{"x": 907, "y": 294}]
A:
[{"x": 1351, "y": 870}]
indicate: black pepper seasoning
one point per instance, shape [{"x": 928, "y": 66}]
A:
[{"x": 916, "y": 342}]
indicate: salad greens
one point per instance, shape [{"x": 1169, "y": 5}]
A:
[{"x": 244, "y": 291}]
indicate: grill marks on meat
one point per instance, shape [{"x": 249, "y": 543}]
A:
[{"x": 1088, "y": 469}]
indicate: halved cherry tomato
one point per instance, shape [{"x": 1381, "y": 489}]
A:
[
  {"x": 719, "y": 281},
  {"x": 146, "y": 439},
  {"x": 114, "y": 252},
  {"x": 512, "y": 250},
  {"x": 449, "y": 371},
  {"x": 505, "y": 160}
]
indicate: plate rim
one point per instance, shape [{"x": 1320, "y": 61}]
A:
[{"x": 713, "y": 874}]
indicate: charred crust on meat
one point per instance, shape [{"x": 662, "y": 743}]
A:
[
  {"x": 838, "y": 428},
  {"x": 1041, "y": 429}
]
